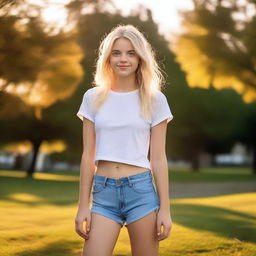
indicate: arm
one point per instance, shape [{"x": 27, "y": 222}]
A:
[
  {"x": 159, "y": 166},
  {"x": 87, "y": 169}
]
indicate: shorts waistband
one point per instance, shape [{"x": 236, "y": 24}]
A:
[{"x": 128, "y": 179}]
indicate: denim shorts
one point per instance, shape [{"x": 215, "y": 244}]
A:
[{"x": 126, "y": 199}]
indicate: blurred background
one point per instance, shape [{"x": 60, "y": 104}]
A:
[{"x": 207, "y": 49}]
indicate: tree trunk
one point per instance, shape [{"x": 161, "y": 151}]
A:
[
  {"x": 213, "y": 162},
  {"x": 31, "y": 169},
  {"x": 195, "y": 163},
  {"x": 18, "y": 162}
]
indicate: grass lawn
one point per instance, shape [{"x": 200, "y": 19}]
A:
[
  {"x": 212, "y": 174},
  {"x": 37, "y": 219},
  {"x": 181, "y": 175}
]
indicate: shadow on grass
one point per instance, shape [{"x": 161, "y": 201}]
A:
[
  {"x": 225, "y": 222},
  {"x": 57, "y": 248},
  {"x": 41, "y": 191},
  {"x": 228, "y": 223}
]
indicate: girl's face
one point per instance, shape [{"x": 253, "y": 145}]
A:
[{"x": 123, "y": 58}]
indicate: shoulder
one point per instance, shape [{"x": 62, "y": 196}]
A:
[
  {"x": 89, "y": 92},
  {"x": 159, "y": 96}
]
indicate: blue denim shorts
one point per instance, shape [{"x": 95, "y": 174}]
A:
[{"x": 126, "y": 199}]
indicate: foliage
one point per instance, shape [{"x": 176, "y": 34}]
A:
[{"x": 217, "y": 46}]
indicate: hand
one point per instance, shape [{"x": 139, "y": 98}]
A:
[
  {"x": 163, "y": 219},
  {"x": 83, "y": 215}
]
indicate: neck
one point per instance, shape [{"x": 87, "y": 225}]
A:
[{"x": 124, "y": 83}]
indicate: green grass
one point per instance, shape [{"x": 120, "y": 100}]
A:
[
  {"x": 182, "y": 175},
  {"x": 212, "y": 174},
  {"x": 37, "y": 219}
]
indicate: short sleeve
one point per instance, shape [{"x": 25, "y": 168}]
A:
[
  {"x": 85, "y": 109},
  {"x": 161, "y": 110}
]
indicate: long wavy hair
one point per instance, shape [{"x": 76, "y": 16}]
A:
[{"x": 148, "y": 74}]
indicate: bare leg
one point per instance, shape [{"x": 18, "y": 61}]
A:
[
  {"x": 102, "y": 237},
  {"x": 143, "y": 236}
]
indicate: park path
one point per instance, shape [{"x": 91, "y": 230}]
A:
[{"x": 185, "y": 190}]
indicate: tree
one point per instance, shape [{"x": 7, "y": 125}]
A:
[
  {"x": 41, "y": 68},
  {"x": 199, "y": 125},
  {"x": 38, "y": 67},
  {"x": 217, "y": 48}
]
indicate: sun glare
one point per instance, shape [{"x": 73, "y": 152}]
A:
[{"x": 165, "y": 13}]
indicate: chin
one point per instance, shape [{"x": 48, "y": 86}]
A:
[{"x": 123, "y": 74}]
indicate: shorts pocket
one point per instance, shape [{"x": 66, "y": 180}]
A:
[
  {"x": 144, "y": 186},
  {"x": 97, "y": 187}
]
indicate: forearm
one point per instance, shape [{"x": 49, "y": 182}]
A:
[
  {"x": 161, "y": 177},
  {"x": 87, "y": 169}
]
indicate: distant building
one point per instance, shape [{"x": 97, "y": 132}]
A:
[{"x": 237, "y": 156}]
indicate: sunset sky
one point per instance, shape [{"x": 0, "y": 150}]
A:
[{"x": 165, "y": 13}]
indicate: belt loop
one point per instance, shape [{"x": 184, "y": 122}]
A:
[
  {"x": 130, "y": 181},
  {"x": 104, "y": 182}
]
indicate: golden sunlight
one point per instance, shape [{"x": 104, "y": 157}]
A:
[{"x": 165, "y": 13}]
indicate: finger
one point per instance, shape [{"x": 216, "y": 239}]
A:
[
  {"x": 88, "y": 224},
  {"x": 160, "y": 233},
  {"x": 79, "y": 230},
  {"x": 165, "y": 233},
  {"x": 82, "y": 234},
  {"x": 169, "y": 231},
  {"x": 158, "y": 228},
  {"x": 161, "y": 237}
]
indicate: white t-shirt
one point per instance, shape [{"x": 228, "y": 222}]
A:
[{"x": 122, "y": 135}]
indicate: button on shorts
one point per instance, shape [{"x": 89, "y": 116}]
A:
[{"x": 126, "y": 199}]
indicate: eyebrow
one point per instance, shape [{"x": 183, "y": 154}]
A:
[{"x": 119, "y": 50}]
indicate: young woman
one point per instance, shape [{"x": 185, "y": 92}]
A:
[{"x": 125, "y": 117}]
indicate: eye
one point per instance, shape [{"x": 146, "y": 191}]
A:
[
  {"x": 115, "y": 53},
  {"x": 131, "y": 53}
]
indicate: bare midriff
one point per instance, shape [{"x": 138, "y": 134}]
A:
[{"x": 117, "y": 170}]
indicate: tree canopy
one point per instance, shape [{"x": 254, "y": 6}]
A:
[{"x": 217, "y": 46}]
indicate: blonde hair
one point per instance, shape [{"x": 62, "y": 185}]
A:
[{"x": 148, "y": 74}]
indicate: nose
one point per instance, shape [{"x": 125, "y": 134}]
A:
[{"x": 123, "y": 58}]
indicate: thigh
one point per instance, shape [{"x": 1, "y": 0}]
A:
[
  {"x": 143, "y": 236},
  {"x": 102, "y": 237}
]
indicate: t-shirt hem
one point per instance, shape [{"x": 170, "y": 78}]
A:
[
  {"x": 169, "y": 118},
  {"x": 100, "y": 157},
  {"x": 81, "y": 115}
]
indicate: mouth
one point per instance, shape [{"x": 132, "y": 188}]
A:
[{"x": 123, "y": 66}]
